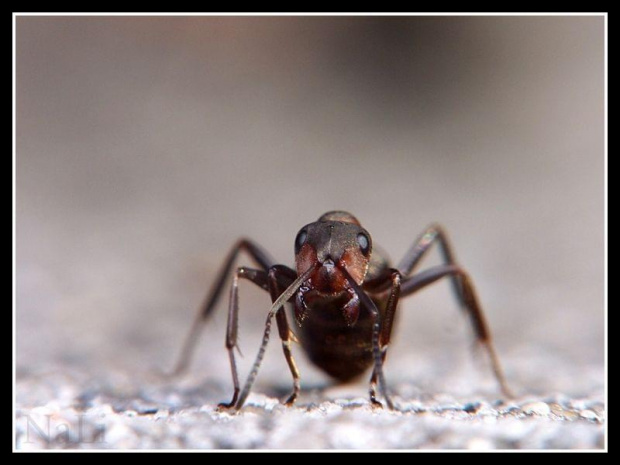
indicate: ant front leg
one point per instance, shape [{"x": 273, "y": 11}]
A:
[
  {"x": 276, "y": 307},
  {"x": 386, "y": 329},
  {"x": 378, "y": 328},
  {"x": 281, "y": 277},
  {"x": 277, "y": 280},
  {"x": 213, "y": 297},
  {"x": 260, "y": 278}
]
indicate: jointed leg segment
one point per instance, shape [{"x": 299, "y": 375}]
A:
[
  {"x": 472, "y": 306},
  {"x": 276, "y": 280},
  {"x": 462, "y": 286},
  {"x": 259, "y": 278},
  {"x": 281, "y": 277},
  {"x": 260, "y": 256},
  {"x": 434, "y": 234},
  {"x": 271, "y": 278},
  {"x": 386, "y": 329}
]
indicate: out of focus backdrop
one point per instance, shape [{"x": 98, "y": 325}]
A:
[{"x": 147, "y": 145}]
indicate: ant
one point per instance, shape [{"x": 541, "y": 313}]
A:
[{"x": 345, "y": 297}]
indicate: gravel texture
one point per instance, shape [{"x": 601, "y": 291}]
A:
[{"x": 67, "y": 409}]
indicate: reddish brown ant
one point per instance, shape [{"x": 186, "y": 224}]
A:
[{"x": 344, "y": 296}]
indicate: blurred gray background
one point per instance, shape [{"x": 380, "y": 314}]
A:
[{"x": 147, "y": 145}]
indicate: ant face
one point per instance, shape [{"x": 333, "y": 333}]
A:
[{"x": 335, "y": 242}]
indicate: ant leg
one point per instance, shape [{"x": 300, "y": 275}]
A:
[
  {"x": 259, "y": 278},
  {"x": 280, "y": 277},
  {"x": 435, "y": 233},
  {"x": 472, "y": 306},
  {"x": 377, "y": 325},
  {"x": 276, "y": 307},
  {"x": 276, "y": 281},
  {"x": 214, "y": 295},
  {"x": 386, "y": 329}
]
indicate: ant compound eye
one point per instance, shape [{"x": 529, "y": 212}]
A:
[
  {"x": 300, "y": 240},
  {"x": 364, "y": 243}
]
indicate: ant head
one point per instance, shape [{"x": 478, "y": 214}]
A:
[{"x": 335, "y": 241}]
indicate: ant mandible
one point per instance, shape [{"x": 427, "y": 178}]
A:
[{"x": 344, "y": 296}]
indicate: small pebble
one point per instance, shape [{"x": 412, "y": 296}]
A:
[
  {"x": 589, "y": 415},
  {"x": 570, "y": 415},
  {"x": 471, "y": 407},
  {"x": 556, "y": 409},
  {"x": 536, "y": 408}
]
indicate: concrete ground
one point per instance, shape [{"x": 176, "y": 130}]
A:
[
  {"x": 146, "y": 146},
  {"x": 67, "y": 409}
]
